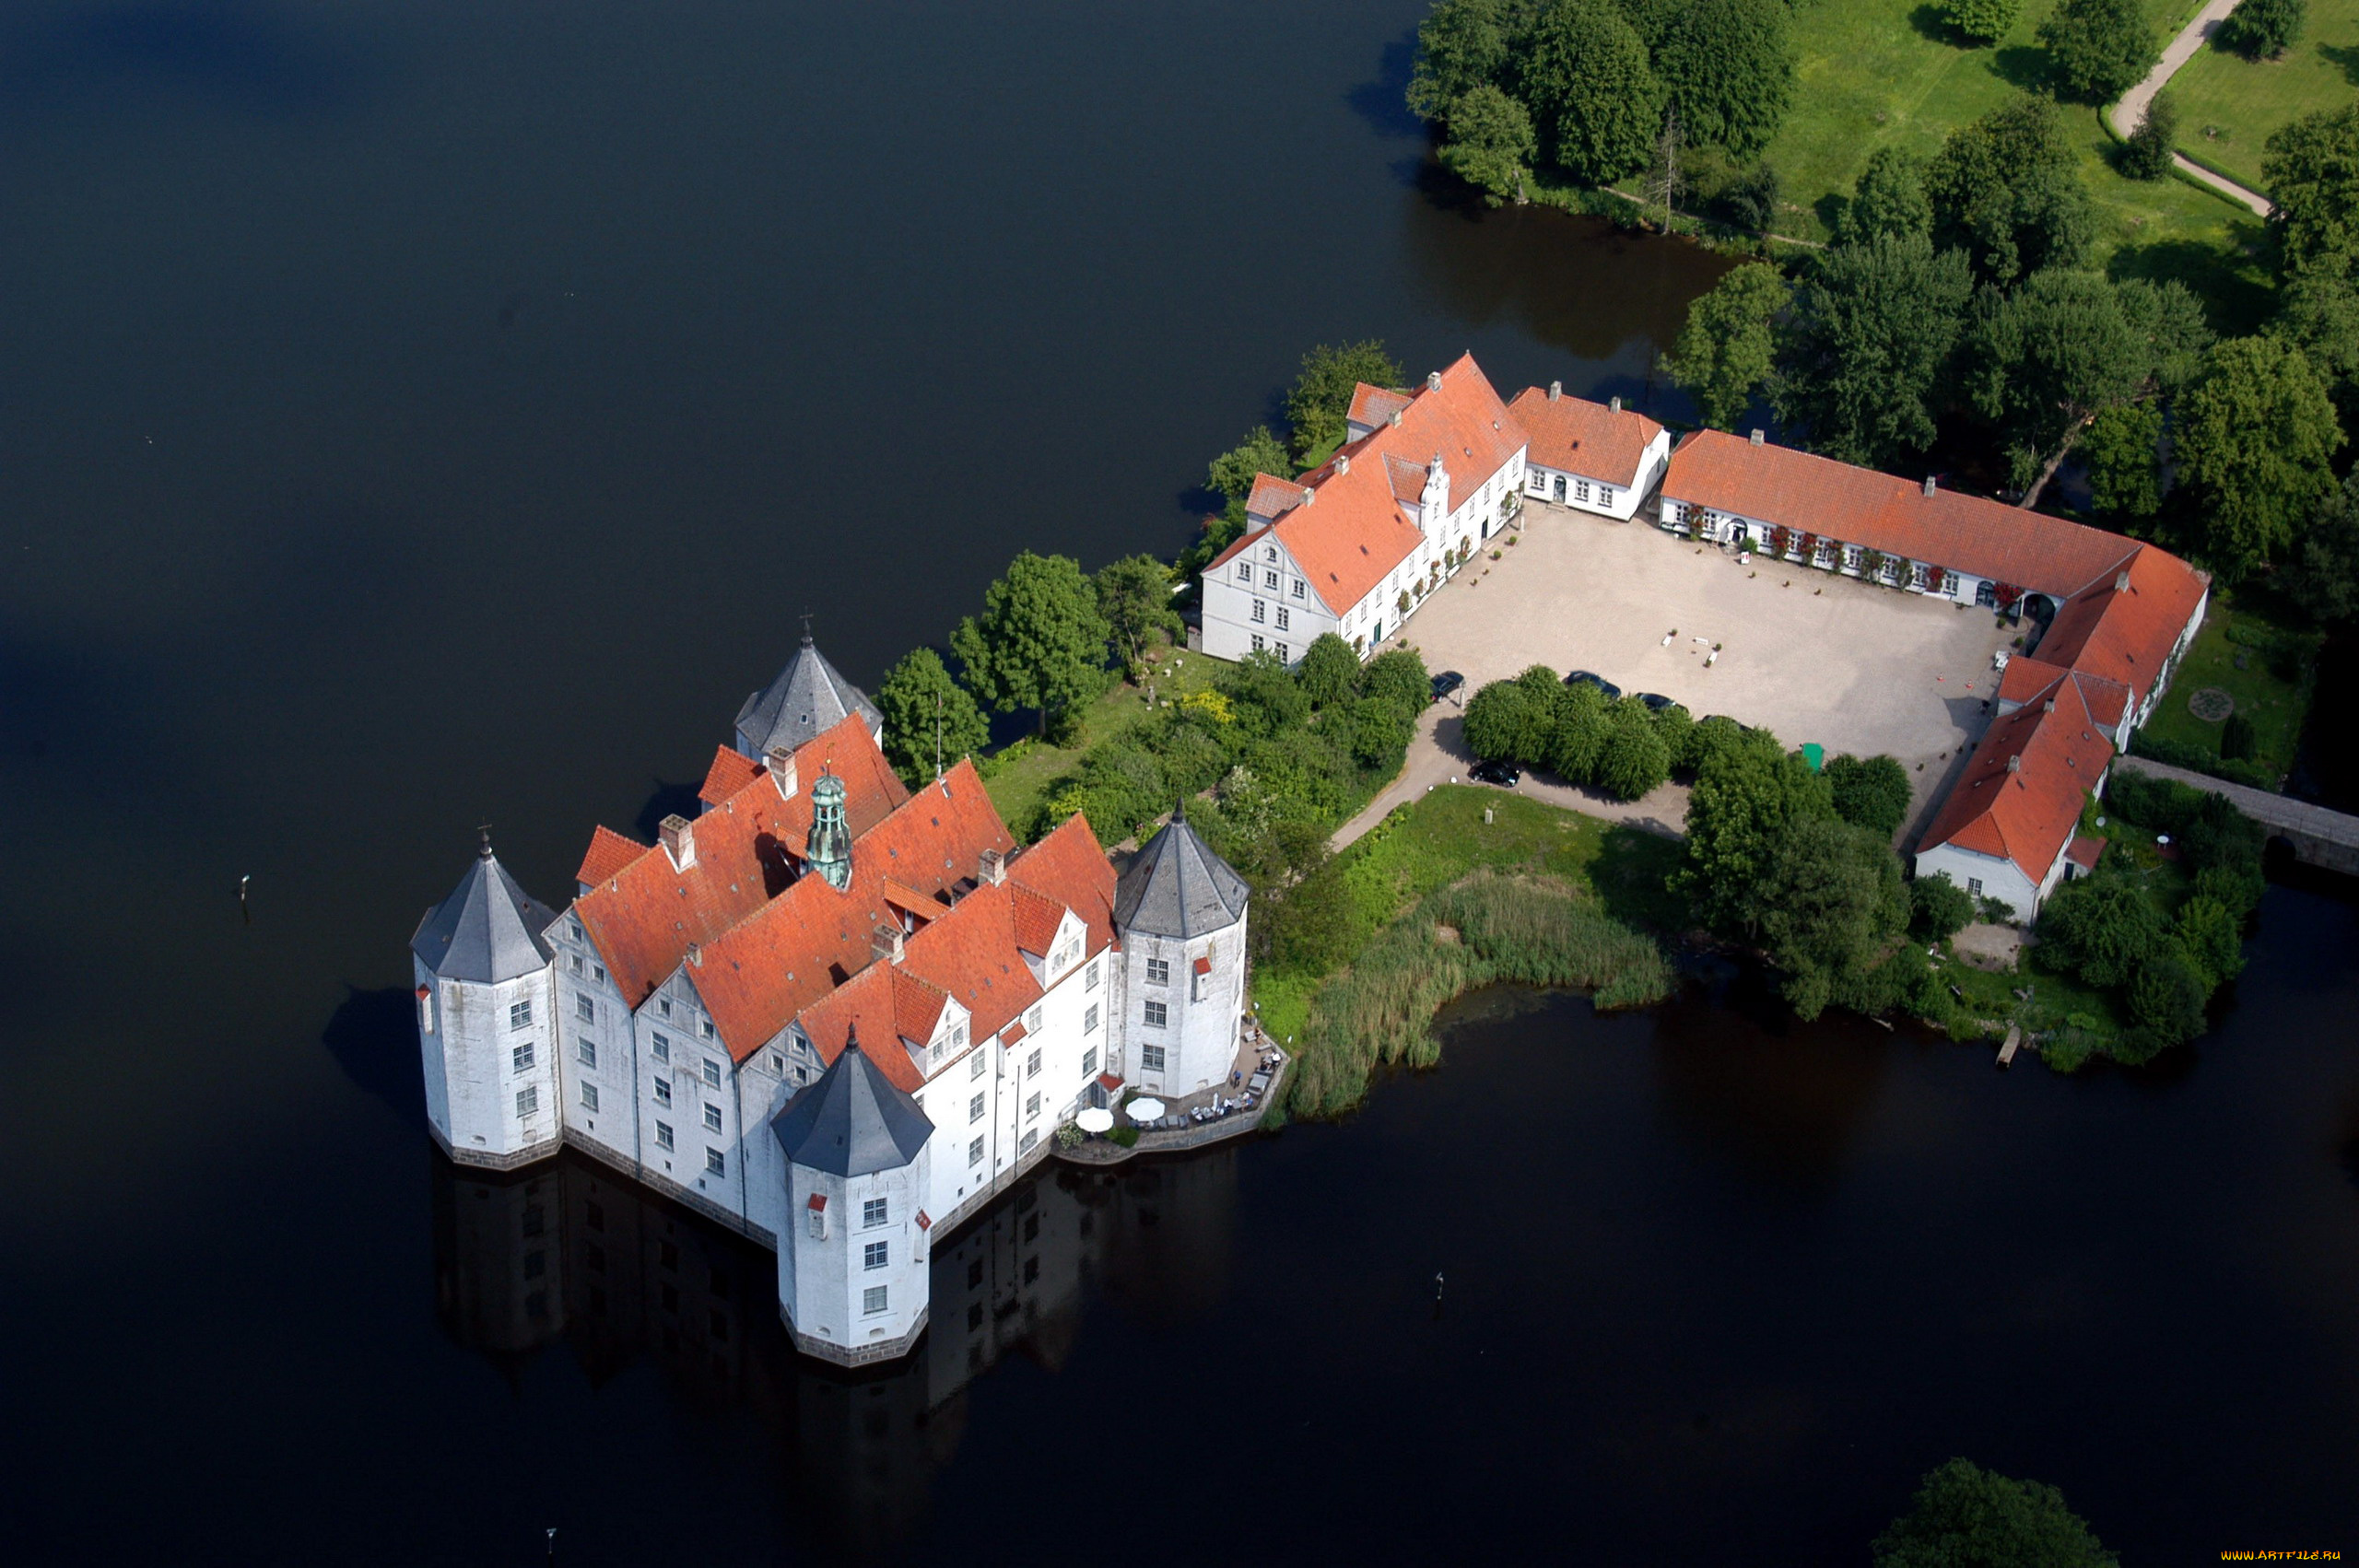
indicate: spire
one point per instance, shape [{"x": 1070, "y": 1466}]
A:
[
  {"x": 827, "y": 847},
  {"x": 809, "y": 698},
  {"x": 488, "y": 929}
]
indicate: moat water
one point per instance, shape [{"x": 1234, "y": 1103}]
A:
[{"x": 417, "y": 414}]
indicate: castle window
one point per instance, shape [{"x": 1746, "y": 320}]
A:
[
  {"x": 712, "y": 1118},
  {"x": 874, "y": 1211},
  {"x": 872, "y": 1300},
  {"x": 528, "y": 1101},
  {"x": 586, "y": 1050},
  {"x": 519, "y": 1015},
  {"x": 576, "y": 931},
  {"x": 1260, "y": 612},
  {"x": 712, "y": 1072},
  {"x": 598, "y": 973},
  {"x": 975, "y": 1152},
  {"x": 1024, "y": 1147},
  {"x": 1032, "y": 1107},
  {"x": 520, "y": 1058},
  {"x": 976, "y": 1065},
  {"x": 583, "y": 1009},
  {"x": 662, "y": 1135},
  {"x": 1157, "y": 1015},
  {"x": 704, "y": 1027},
  {"x": 1159, "y": 971},
  {"x": 1270, "y": 581},
  {"x": 778, "y": 1064},
  {"x": 1269, "y": 552},
  {"x": 1089, "y": 1020},
  {"x": 1150, "y": 1058},
  {"x": 662, "y": 1091},
  {"x": 663, "y": 1006},
  {"x": 426, "y": 1010},
  {"x": 1032, "y": 1065},
  {"x": 1283, "y": 615},
  {"x": 1245, "y": 571},
  {"x": 577, "y": 964},
  {"x": 1089, "y": 1063},
  {"x": 714, "y": 1164},
  {"x": 1297, "y": 590},
  {"x": 876, "y": 1254},
  {"x": 663, "y": 1047},
  {"x": 589, "y": 1098},
  {"x": 975, "y": 1108},
  {"x": 1032, "y": 1019},
  {"x": 1089, "y": 980}
]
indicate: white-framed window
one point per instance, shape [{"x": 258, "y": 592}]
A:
[
  {"x": 1089, "y": 980},
  {"x": 975, "y": 1152},
  {"x": 1159, "y": 971},
  {"x": 1974, "y": 887},
  {"x": 1157, "y": 1015},
  {"x": 1260, "y": 612},
  {"x": 1580, "y": 490},
  {"x": 1151, "y": 1058},
  {"x": 528, "y": 1101},
  {"x": 1023, "y": 1146},
  {"x": 577, "y": 930},
  {"x": 520, "y": 1058},
  {"x": 1269, "y": 552},
  {"x": 1270, "y": 581},
  {"x": 874, "y": 1211},
  {"x": 663, "y": 1006},
  {"x": 585, "y": 1010},
  {"x": 1604, "y": 496},
  {"x": 1245, "y": 571},
  {"x": 1032, "y": 1107},
  {"x": 662, "y": 1135},
  {"x": 598, "y": 973},
  {"x": 1283, "y": 657},
  {"x": 519, "y": 1015},
  {"x": 975, "y": 1108},
  {"x": 704, "y": 1027},
  {"x": 663, "y": 1092},
  {"x": 1089, "y": 1020},
  {"x": 662, "y": 1047},
  {"x": 876, "y": 1254},
  {"x": 589, "y": 1098},
  {"x": 712, "y": 1118},
  {"x": 974, "y": 1068},
  {"x": 1089, "y": 1063},
  {"x": 576, "y": 962},
  {"x": 1284, "y": 615},
  {"x": 714, "y": 1163},
  {"x": 872, "y": 1301},
  {"x": 426, "y": 1010},
  {"x": 585, "y": 1050},
  {"x": 712, "y": 1072},
  {"x": 1257, "y": 642},
  {"x": 778, "y": 1064},
  {"x": 1032, "y": 1065},
  {"x": 1297, "y": 586}
]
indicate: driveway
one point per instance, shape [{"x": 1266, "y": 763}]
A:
[
  {"x": 2126, "y": 114},
  {"x": 1807, "y": 654}
]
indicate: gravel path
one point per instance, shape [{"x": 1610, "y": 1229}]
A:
[{"x": 2125, "y": 114}]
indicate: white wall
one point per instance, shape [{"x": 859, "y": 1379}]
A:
[
  {"x": 1292, "y": 613},
  {"x": 1199, "y": 1036},
  {"x": 468, "y": 1056},
  {"x": 823, "y": 1279},
  {"x": 1587, "y": 493},
  {"x": 1998, "y": 878}
]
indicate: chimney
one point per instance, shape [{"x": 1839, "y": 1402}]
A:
[
  {"x": 1613, "y": 404},
  {"x": 1756, "y": 436},
  {"x": 2049, "y": 707},
  {"x": 1343, "y": 462},
  {"x": 1555, "y": 391},
  {"x": 696, "y": 956},
  {"x": 2121, "y": 582},
  {"x": 781, "y": 761},
  {"x": 1395, "y": 420},
  {"x": 2016, "y": 763},
  {"x": 991, "y": 867},
  {"x": 1929, "y": 484},
  {"x": 679, "y": 835},
  {"x": 1433, "y": 381},
  {"x": 885, "y": 942}
]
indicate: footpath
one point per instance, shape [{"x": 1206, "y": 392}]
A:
[{"x": 2124, "y": 115}]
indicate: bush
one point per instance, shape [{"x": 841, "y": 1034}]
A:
[
  {"x": 1634, "y": 757},
  {"x": 1502, "y": 722},
  {"x": 1938, "y": 907},
  {"x": 2102, "y": 928},
  {"x": 2195, "y": 759},
  {"x": 2167, "y": 997},
  {"x": 1330, "y": 671},
  {"x": 1398, "y": 677},
  {"x": 1871, "y": 792},
  {"x": 1577, "y": 740},
  {"x": 2236, "y": 739},
  {"x": 1984, "y": 21},
  {"x": 2212, "y": 938},
  {"x": 2262, "y": 30},
  {"x": 2152, "y": 145},
  {"x": 1124, "y": 1137}
]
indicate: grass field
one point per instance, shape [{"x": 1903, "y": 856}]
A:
[
  {"x": 2272, "y": 688},
  {"x": 1019, "y": 775},
  {"x": 2228, "y": 105},
  {"x": 1879, "y": 73}
]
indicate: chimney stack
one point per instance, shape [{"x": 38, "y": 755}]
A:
[
  {"x": 1614, "y": 404},
  {"x": 696, "y": 956},
  {"x": 991, "y": 867},
  {"x": 2049, "y": 707},
  {"x": 1433, "y": 381},
  {"x": 780, "y": 763},
  {"x": 2016, "y": 763},
  {"x": 1757, "y": 434},
  {"x": 885, "y": 942},
  {"x": 1555, "y": 391},
  {"x": 1929, "y": 484},
  {"x": 2121, "y": 582},
  {"x": 679, "y": 835},
  {"x": 1343, "y": 462}
]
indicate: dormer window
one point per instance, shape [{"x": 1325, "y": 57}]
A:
[{"x": 1269, "y": 552}]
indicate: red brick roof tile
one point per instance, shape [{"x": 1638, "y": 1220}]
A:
[
  {"x": 608, "y": 853},
  {"x": 2028, "y": 813},
  {"x": 1581, "y": 437},
  {"x": 2124, "y": 628},
  {"x": 731, "y": 771}
]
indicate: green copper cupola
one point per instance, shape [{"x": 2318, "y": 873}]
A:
[{"x": 828, "y": 847}]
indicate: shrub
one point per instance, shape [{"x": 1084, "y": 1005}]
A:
[
  {"x": 1871, "y": 792},
  {"x": 2102, "y": 928},
  {"x": 1501, "y": 723},
  {"x": 1578, "y": 739},
  {"x": 2148, "y": 156},
  {"x": 1984, "y": 21},
  {"x": 2167, "y": 997},
  {"x": 1398, "y": 677},
  {"x": 2211, "y": 936},
  {"x": 2262, "y": 30},
  {"x": 2236, "y": 739},
  {"x": 1938, "y": 907},
  {"x": 1124, "y": 1137},
  {"x": 1634, "y": 758}
]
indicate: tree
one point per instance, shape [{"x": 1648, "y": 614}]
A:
[
  {"x": 2102, "y": 928},
  {"x": 1938, "y": 907},
  {"x": 2254, "y": 435},
  {"x": 2212, "y": 935},
  {"x": 2167, "y": 997},
  {"x": 2311, "y": 170},
  {"x": 1040, "y": 641},
  {"x": 1984, "y": 21},
  {"x": 1330, "y": 671},
  {"x": 1491, "y": 143},
  {"x": 917, "y": 694},
  {"x": 2065, "y": 345},
  {"x": 1722, "y": 358},
  {"x": 2318, "y": 312},
  {"x": 1461, "y": 44},
  {"x": 1635, "y": 757},
  {"x": 1134, "y": 596},
  {"x": 2153, "y": 144},
  {"x": 1263, "y": 696},
  {"x": 1398, "y": 677},
  {"x": 1321, "y": 396},
  {"x": 2006, "y": 189},
  {"x": 1889, "y": 199},
  {"x": 1727, "y": 68},
  {"x": 1594, "y": 96},
  {"x": 1871, "y": 335},
  {"x": 2101, "y": 48},
  {"x": 1749, "y": 199},
  {"x": 1577, "y": 742},
  {"x": 1965, "y": 1516},
  {"x": 1260, "y": 452},
  {"x": 2123, "y": 451},
  {"x": 2322, "y": 575},
  {"x": 2262, "y": 30},
  {"x": 1747, "y": 798},
  {"x": 1831, "y": 906},
  {"x": 1870, "y": 792}
]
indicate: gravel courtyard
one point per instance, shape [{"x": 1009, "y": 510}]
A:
[{"x": 1806, "y": 653}]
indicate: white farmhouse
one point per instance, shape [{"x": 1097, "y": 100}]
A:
[{"x": 1594, "y": 457}]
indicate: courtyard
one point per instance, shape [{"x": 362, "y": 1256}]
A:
[{"x": 1807, "y": 654}]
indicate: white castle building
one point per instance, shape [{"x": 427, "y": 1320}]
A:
[{"x": 833, "y": 1014}]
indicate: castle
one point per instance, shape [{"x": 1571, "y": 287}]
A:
[{"x": 834, "y": 1013}]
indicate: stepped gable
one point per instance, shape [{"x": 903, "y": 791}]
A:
[
  {"x": 852, "y": 1120},
  {"x": 643, "y": 916},
  {"x": 1581, "y": 437},
  {"x": 761, "y": 973},
  {"x": 1352, "y": 531},
  {"x": 1178, "y": 887},
  {"x": 608, "y": 853},
  {"x": 1893, "y": 516},
  {"x": 487, "y": 930},
  {"x": 2124, "y": 628},
  {"x": 2021, "y": 796},
  {"x": 809, "y": 698}
]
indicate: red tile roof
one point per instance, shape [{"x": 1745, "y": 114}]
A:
[
  {"x": 1372, "y": 406},
  {"x": 2021, "y": 795},
  {"x": 1272, "y": 497},
  {"x": 2124, "y": 628},
  {"x": 1354, "y": 532},
  {"x": 1581, "y": 437},
  {"x": 731, "y": 771},
  {"x": 608, "y": 853},
  {"x": 2027, "y": 680},
  {"x": 2085, "y": 850}
]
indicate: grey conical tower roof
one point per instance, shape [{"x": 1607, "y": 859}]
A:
[
  {"x": 809, "y": 698},
  {"x": 853, "y": 1120},
  {"x": 1177, "y": 887},
  {"x": 487, "y": 930}
]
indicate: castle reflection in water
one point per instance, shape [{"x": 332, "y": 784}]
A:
[{"x": 566, "y": 1253}]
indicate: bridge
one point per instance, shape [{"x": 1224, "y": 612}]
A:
[{"x": 2319, "y": 837}]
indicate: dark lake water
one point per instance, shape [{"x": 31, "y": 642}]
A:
[{"x": 413, "y": 414}]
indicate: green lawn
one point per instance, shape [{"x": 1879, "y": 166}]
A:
[
  {"x": 2272, "y": 688},
  {"x": 1020, "y": 774},
  {"x": 2228, "y": 105},
  {"x": 1871, "y": 76}
]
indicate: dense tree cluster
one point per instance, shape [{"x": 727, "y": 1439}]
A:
[
  {"x": 1965, "y": 1516},
  {"x": 2100, "y": 49},
  {"x": 2263, "y": 29},
  {"x": 1619, "y": 745}
]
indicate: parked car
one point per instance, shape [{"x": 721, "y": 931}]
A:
[
  {"x": 1656, "y": 700},
  {"x": 1445, "y": 683},
  {"x": 1600, "y": 682},
  {"x": 1505, "y": 774}
]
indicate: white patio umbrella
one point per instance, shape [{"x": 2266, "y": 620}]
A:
[
  {"x": 1097, "y": 1119},
  {"x": 1146, "y": 1110}
]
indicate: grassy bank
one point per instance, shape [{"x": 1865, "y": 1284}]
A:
[
  {"x": 2268, "y": 671},
  {"x": 2228, "y": 105},
  {"x": 1019, "y": 775}
]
